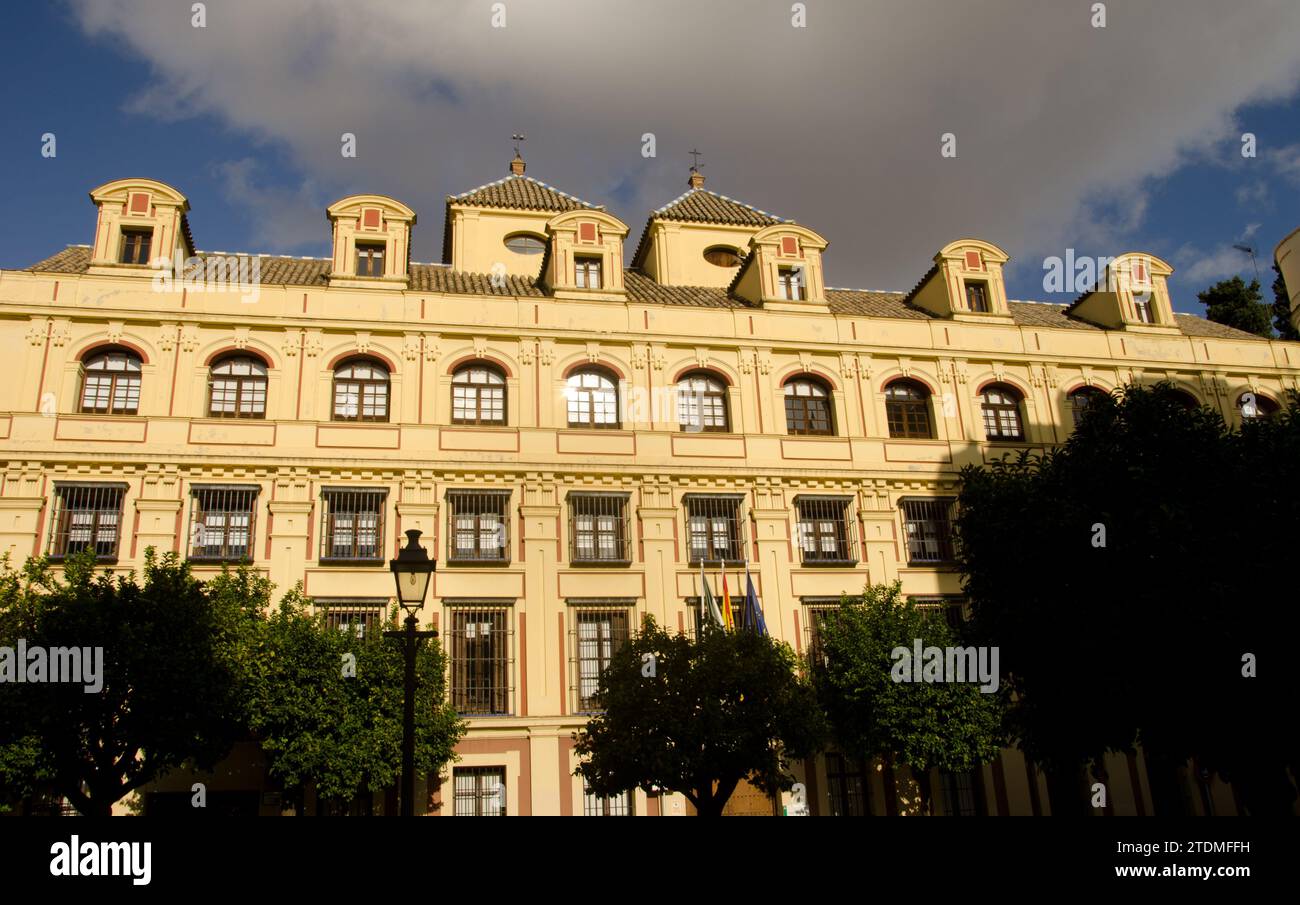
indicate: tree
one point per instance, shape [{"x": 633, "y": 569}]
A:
[
  {"x": 1282, "y": 308},
  {"x": 951, "y": 725},
  {"x": 1135, "y": 583},
  {"x": 171, "y": 693},
  {"x": 327, "y": 706},
  {"x": 1234, "y": 304},
  {"x": 698, "y": 715}
]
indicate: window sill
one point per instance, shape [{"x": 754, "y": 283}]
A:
[
  {"x": 108, "y": 560},
  {"x": 715, "y": 563},
  {"x": 219, "y": 560},
  {"x": 472, "y": 561},
  {"x": 331, "y": 561},
  {"x": 828, "y": 563},
  {"x": 611, "y": 563}
]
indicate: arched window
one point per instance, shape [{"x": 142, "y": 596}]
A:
[
  {"x": 1001, "y": 407},
  {"x": 526, "y": 243},
  {"x": 907, "y": 409},
  {"x": 1186, "y": 400},
  {"x": 361, "y": 391},
  {"x": 722, "y": 256},
  {"x": 110, "y": 383},
  {"x": 808, "y": 407},
  {"x": 237, "y": 388},
  {"x": 592, "y": 397},
  {"x": 1083, "y": 399},
  {"x": 1253, "y": 405},
  {"x": 702, "y": 403},
  {"x": 478, "y": 395}
]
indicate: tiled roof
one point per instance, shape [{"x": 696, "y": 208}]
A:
[
  {"x": 703, "y": 206},
  {"x": 523, "y": 193},
  {"x": 284, "y": 271}
]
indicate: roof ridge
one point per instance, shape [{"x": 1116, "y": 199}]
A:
[
  {"x": 727, "y": 198},
  {"x": 535, "y": 181}
]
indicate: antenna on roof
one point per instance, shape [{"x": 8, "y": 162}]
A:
[
  {"x": 517, "y": 165},
  {"x": 1250, "y": 251},
  {"x": 697, "y": 178}
]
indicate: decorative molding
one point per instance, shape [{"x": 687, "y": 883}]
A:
[
  {"x": 764, "y": 362},
  {"x": 60, "y": 332},
  {"x": 167, "y": 336},
  {"x": 363, "y": 343},
  {"x": 999, "y": 370},
  {"x": 960, "y": 371},
  {"x": 1088, "y": 379},
  {"x": 189, "y": 337},
  {"x": 241, "y": 338},
  {"x": 314, "y": 344},
  {"x": 480, "y": 347},
  {"x": 593, "y": 352},
  {"x": 38, "y": 331},
  {"x": 113, "y": 332},
  {"x": 848, "y": 366},
  {"x": 411, "y": 346},
  {"x": 745, "y": 359},
  {"x": 527, "y": 352},
  {"x": 905, "y": 367},
  {"x": 639, "y": 357},
  {"x": 292, "y": 341},
  {"x": 658, "y": 360},
  {"x": 701, "y": 357},
  {"x": 546, "y": 352}
]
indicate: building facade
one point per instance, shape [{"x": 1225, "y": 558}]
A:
[{"x": 572, "y": 432}]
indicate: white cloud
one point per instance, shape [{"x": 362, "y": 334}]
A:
[
  {"x": 1060, "y": 127},
  {"x": 1206, "y": 268}
]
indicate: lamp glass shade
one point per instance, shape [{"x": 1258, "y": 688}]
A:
[{"x": 411, "y": 586}]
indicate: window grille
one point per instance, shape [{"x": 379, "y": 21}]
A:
[
  {"x": 815, "y": 610},
  {"x": 928, "y": 527},
  {"x": 593, "y": 805},
  {"x": 826, "y": 530},
  {"x": 361, "y": 392},
  {"x": 110, "y": 384},
  {"x": 907, "y": 410},
  {"x": 480, "y": 643},
  {"x": 237, "y": 388},
  {"x": 360, "y": 615},
  {"x": 955, "y": 610},
  {"x": 959, "y": 793},
  {"x": 352, "y": 525},
  {"x": 849, "y": 784},
  {"x": 478, "y": 396},
  {"x": 222, "y": 522},
  {"x": 478, "y": 526},
  {"x": 86, "y": 517},
  {"x": 599, "y": 629},
  {"x": 714, "y": 529},
  {"x": 737, "y": 605},
  {"x": 702, "y": 404},
  {"x": 479, "y": 791},
  {"x": 592, "y": 400},
  {"x": 599, "y": 528},
  {"x": 1001, "y": 408},
  {"x": 808, "y": 408}
]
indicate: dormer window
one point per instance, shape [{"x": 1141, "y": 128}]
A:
[
  {"x": 135, "y": 246},
  {"x": 977, "y": 297},
  {"x": 525, "y": 243},
  {"x": 370, "y": 259},
  {"x": 790, "y": 285},
  {"x": 1145, "y": 313},
  {"x": 587, "y": 272}
]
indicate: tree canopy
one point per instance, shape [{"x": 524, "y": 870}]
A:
[
  {"x": 698, "y": 715},
  {"x": 1236, "y": 304}
]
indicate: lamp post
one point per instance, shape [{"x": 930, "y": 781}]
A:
[{"x": 412, "y": 572}]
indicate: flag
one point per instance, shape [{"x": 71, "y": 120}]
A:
[
  {"x": 753, "y": 611},
  {"x": 726, "y": 603},
  {"x": 708, "y": 606}
]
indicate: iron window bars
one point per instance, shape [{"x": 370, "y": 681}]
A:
[
  {"x": 360, "y": 615},
  {"x": 599, "y": 528},
  {"x": 110, "y": 384},
  {"x": 479, "y": 791},
  {"x": 955, "y": 610},
  {"x": 478, "y": 526},
  {"x": 480, "y": 642},
  {"x": 222, "y": 521},
  {"x": 849, "y": 785},
  {"x": 600, "y": 628},
  {"x": 927, "y": 525},
  {"x": 85, "y": 517},
  {"x": 826, "y": 532},
  {"x": 593, "y": 805},
  {"x": 352, "y": 525},
  {"x": 237, "y": 388},
  {"x": 815, "y": 610},
  {"x": 715, "y": 531}
]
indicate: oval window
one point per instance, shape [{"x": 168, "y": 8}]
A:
[
  {"x": 722, "y": 256},
  {"x": 525, "y": 244}
]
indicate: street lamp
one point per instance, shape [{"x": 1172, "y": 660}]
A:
[{"x": 412, "y": 571}]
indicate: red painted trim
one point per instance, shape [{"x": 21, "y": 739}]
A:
[
  {"x": 55, "y": 297},
  {"x": 884, "y": 384},
  {"x": 419, "y": 401},
  {"x": 523, "y": 665},
  {"x": 339, "y": 359},
  {"x": 304, "y": 303},
  {"x": 505, "y": 368},
  {"x": 185, "y": 294},
  {"x": 564, "y": 691},
  {"x": 40, "y": 518},
  {"x": 602, "y": 364},
  {"x": 270, "y": 524},
  {"x": 712, "y": 372},
  {"x": 226, "y": 350},
  {"x": 302, "y": 366},
  {"x": 758, "y": 400},
  {"x": 1006, "y": 382},
  {"x": 176, "y": 363},
  {"x": 45, "y": 358},
  {"x": 121, "y": 343},
  {"x": 797, "y": 371}
]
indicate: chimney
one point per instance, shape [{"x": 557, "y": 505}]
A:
[
  {"x": 517, "y": 166},
  {"x": 697, "y": 179}
]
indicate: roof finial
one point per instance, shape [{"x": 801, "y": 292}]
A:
[
  {"x": 517, "y": 165},
  {"x": 697, "y": 178}
]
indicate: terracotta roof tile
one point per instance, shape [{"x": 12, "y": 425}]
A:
[
  {"x": 522, "y": 193},
  {"x": 1192, "y": 325},
  {"x": 640, "y": 288},
  {"x": 870, "y": 303},
  {"x": 703, "y": 206}
]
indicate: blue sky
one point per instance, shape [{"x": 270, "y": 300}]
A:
[{"x": 244, "y": 116}]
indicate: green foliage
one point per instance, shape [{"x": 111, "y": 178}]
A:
[
  {"x": 698, "y": 715},
  {"x": 171, "y": 693},
  {"x": 343, "y": 733},
  {"x": 1236, "y": 304},
  {"x": 953, "y": 726},
  {"x": 1282, "y": 308},
  {"x": 1141, "y": 640}
]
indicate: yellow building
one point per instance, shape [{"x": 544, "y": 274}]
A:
[{"x": 572, "y": 432}]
